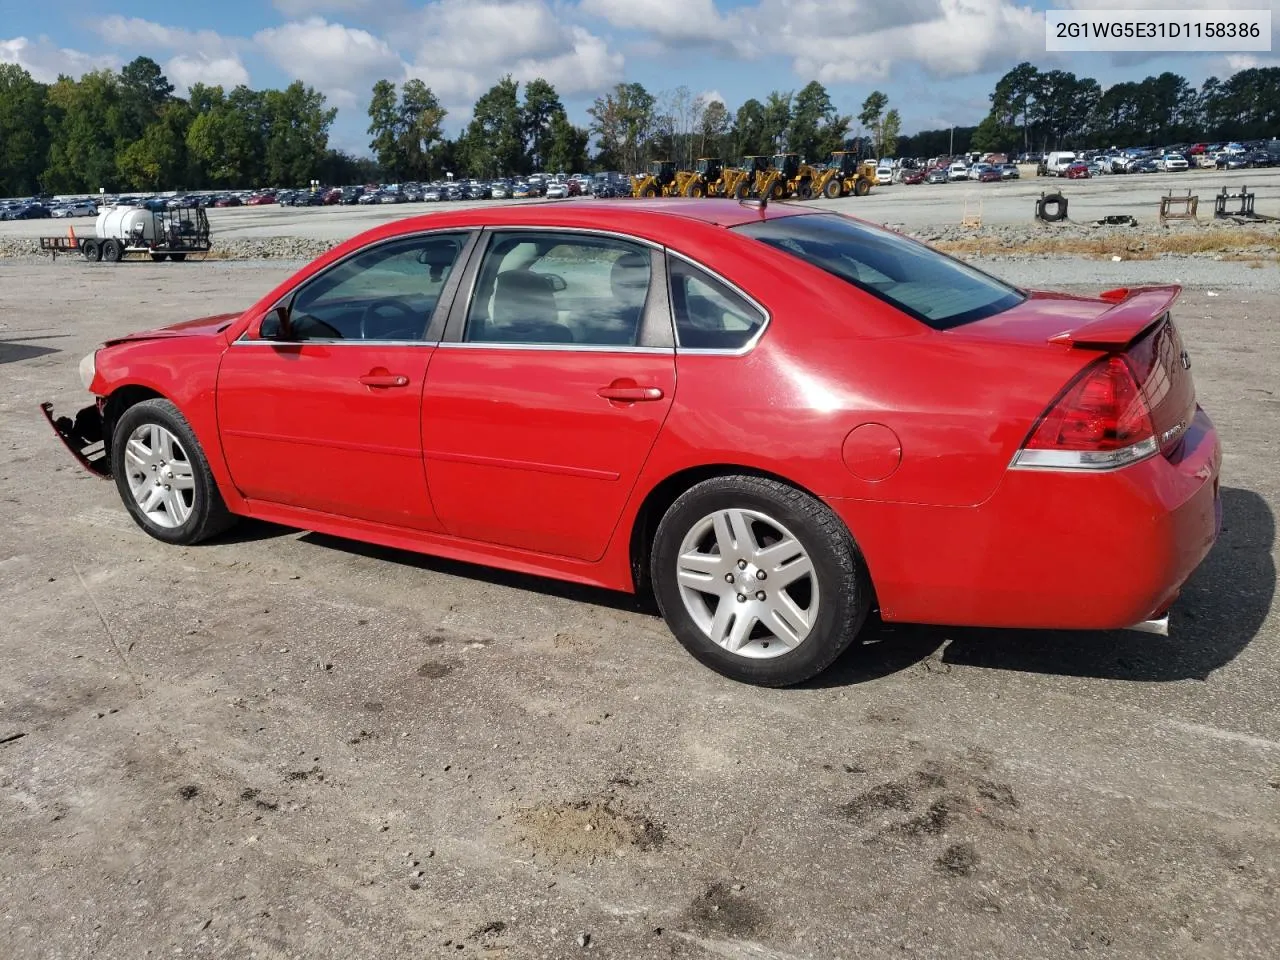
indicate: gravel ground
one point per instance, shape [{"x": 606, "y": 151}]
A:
[{"x": 288, "y": 745}]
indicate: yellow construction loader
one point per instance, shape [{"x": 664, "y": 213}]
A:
[
  {"x": 705, "y": 180},
  {"x": 780, "y": 181},
  {"x": 843, "y": 176},
  {"x": 741, "y": 181},
  {"x": 660, "y": 181}
]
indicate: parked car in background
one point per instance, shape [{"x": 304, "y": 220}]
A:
[
  {"x": 1009, "y": 171},
  {"x": 261, "y": 199},
  {"x": 1262, "y": 158},
  {"x": 1173, "y": 163},
  {"x": 228, "y": 201},
  {"x": 29, "y": 211},
  {"x": 911, "y": 177},
  {"x": 978, "y": 169},
  {"x": 937, "y": 175},
  {"x": 1077, "y": 171},
  {"x": 990, "y": 175},
  {"x": 1096, "y": 169},
  {"x": 332, "y": 196},
  {"x": 432, "y": 194},
  {"x": 1142, "y": 165},
  {"x": 884, "y": 172},
  {"x": 75, "y": 208},
  {"x": 970, "y": 413},
  {"x": 557, "y": 190},
  {"x": 958, "y": 171},
  {"x": 1058, "y": 162}
]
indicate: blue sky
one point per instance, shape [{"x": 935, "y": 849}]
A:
[{"x": 936, "y": 59}]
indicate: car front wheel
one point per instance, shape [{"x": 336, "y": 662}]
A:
[
  {"x": 758, "y": 580},
  {"x": 163, "y": 477}
]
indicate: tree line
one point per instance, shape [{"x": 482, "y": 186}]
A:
[
  {"x": 127, "y": 130},
  {"x": 1034, "y": 110}
]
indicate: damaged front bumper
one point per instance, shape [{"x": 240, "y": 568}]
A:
[{"x": 83, "y": 436}]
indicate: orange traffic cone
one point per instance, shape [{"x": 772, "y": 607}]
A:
[{"x": 71, "y": 234}]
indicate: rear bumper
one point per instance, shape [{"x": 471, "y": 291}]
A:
[
  {"x": 83, "y": 436},
  {"x": 1050, "y": 549}
]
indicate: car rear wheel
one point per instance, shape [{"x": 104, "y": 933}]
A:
[
  {"x": 758, "y": 580},
  {"x": 163, "y": 477}
]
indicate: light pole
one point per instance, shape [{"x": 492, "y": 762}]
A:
[{"x": 951, "y": 150}]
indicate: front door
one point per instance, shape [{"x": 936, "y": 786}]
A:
[
  {"x": 327, "y": 416},
  {"x": 539, "y": 417}
]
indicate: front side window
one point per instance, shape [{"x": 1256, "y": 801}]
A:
[
  {"x": 555, "y": 288},
  {"x": 708, "y": 314},
  {"x": 934, "y": 289},
  {"x": 388, "y": 292}
]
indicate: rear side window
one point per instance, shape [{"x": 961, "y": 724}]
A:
[
  {"x": 709, "y": 314},
  {"x": 933, "y": 288}
]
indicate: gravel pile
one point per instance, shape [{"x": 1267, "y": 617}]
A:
[
  {"x": 1144, "y": 236},
  {"x": 275, "y": 248}
]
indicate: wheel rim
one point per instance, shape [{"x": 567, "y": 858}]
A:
[
  {"x": 160, "y": 475},
  {"x": 748, "y": 583}
]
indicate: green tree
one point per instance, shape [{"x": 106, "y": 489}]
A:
[
  {"x": 872, "y": 117},
  {"x": 158, "y": 161},
  {"x": 84, "y": 118},
  {"x": 493, "y": 144},
  {"x": 816, "y": 128},
  {"x": 297, "y": 133},
  {"x": 1011, "y": 105},
  {"x": 24, "y": 139},
  {"x": 622, "y": 122},
  {"x": 749, "y": 136},
  {"x": 144, "y": 90},
  {"x": 420, "y": 118},
  {"x": 890, "y": 130},
  {"x": 385, "y": 128},
  {"x": 777, "y": 118},
  {"x": 542, "y": 108},
  {"x": 714, "y": 129},
  {"x": 567, "y": 146}
]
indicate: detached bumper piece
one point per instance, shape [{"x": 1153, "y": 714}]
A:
[{"x": 83, "y": 437}]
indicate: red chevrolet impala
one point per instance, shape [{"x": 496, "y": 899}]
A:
[{"x": 775, "y": 419}]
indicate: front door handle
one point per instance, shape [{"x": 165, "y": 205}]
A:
[
  {"x": 384, "y": 379},
  {"x": 628, "y": 391}
]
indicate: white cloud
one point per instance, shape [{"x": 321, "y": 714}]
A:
[
  {"x": 46, "y": 62},
  {"x": 342, "y": 62},
  {"x": 227, "y": 72},
  {"x": 302, "y": 8},
  {"x": 469, "y": 44},
  {"x": 845, "y": 40},
  {"x": 711, "y": 96},
  {"x": 134, "y": 33}
]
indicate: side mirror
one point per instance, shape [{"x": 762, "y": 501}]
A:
[{"x": 275, "y": 325}]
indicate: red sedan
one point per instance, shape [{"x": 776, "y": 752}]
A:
[
  {"x": 777, "y": 420},
  {"x": 1078, "y": 171}
]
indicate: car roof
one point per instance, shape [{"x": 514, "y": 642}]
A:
[{"x": 623, "y": 215}]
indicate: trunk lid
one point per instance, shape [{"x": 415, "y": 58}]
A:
[{"x": 1134, "y": 323}]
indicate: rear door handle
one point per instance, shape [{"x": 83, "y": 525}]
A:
[
  {"x": 384, "y": 380},
  {"x": 630, "y": 393}
]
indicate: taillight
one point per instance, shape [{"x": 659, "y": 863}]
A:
[{"x": 1100, "y": 421}]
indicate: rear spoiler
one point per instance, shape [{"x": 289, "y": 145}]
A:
[{"x": 1135, "y": 312}]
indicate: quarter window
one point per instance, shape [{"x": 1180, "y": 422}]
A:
[
  {"x": 559, "y": 289},
  {"x": 388, "y": 292},
  {"x": 709, "y": 315}
]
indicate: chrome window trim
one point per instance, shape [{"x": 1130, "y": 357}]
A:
[
  {"x": 259, "y": 342},
  {"x": 473, "y": 233},
  {"x": 562, "y": 347},
  {"x": 711, "y": 351}
]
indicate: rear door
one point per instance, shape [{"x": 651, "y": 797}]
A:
[{"x": 544, "y": 401}]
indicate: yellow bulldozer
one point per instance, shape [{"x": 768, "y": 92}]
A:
[
  {"x": 660, "y": 181},
  {"x": 841, "y": 177},
  {"x": 781, "y": 179},
  {"x": 705, "y": 180},
  {"x": 741, "y": 181}
]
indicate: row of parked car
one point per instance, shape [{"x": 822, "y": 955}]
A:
[{"x": 38, "y": 209}]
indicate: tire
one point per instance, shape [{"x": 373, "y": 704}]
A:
[
  {"x": 836, "y": 593},
  {"x": 176, "y": 518},
  {"x": 694, "y": 190},
  {"x": 805, "y": 190},
  {"x": 112, "y": 250},
  {"x": 862, "y": 187},
  {"x": 834, "y": 189},
  {"x": 92, "y": 251},
  {"x": 742, "y": 191},
  {"x": 157, "y": 257},
  {"x": 177, "y": 257},
  {"x": 1059, "y": 204},
  {"x": 649, "y": 191},
  {"x": 777, "y": 191}
]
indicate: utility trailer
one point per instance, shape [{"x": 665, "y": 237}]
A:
[{"x": 176, "y": 233}]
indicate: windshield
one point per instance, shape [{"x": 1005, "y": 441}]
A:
[{"x": 936, "y": 290}]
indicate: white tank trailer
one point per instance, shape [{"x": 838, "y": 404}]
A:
[{"x": 172, "y": 234}]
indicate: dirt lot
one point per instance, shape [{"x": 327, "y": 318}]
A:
[{"x": 287, "y": 745}]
